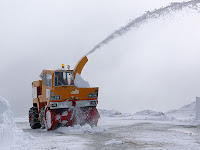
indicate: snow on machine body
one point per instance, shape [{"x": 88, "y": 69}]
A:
[{"x": 62, "y": 98}]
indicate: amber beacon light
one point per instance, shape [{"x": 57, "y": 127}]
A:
[{"x": 63, "y": 65}]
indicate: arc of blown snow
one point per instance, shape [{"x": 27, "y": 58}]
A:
[{"x": 143, "y": 18}]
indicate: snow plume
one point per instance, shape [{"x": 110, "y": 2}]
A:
[
  {"x": 10, "y": 135},
  {"x": 173, "y": 7}
]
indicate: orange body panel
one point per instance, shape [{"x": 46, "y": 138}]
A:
[
  {"x": 37, "y": 83},
  {"x": 73, "y": 92}
]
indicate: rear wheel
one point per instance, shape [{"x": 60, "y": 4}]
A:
[{"x": 33, "y": 118}]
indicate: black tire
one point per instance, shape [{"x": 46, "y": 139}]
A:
[
  {"x": 33, "y": 118},
  {"x": 42, "y": 118}
]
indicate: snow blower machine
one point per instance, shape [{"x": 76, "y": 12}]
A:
[{"x": 63, "y": 98}]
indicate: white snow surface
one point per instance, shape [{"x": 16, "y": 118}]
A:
[
  {"x": 113, "y": 141},
  {"x": 152, "y": 130},
  {"x": 80, "y": 82},
  {"x": 11, "y": 137},
  {"x": 147, "y": 130},
  {"x": 77, "y": 129}
]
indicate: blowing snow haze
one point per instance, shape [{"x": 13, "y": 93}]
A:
[{"x": 154, "y": 66}]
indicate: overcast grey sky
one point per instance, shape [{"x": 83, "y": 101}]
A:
[{"x": 155, "y": 66}]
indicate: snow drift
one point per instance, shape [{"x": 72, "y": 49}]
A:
[
  {"x": 150, "y": 113},
  {"x": 109, "y": 113},
  {"x": 187, "y": 112},
  {"x": 153, "y": 115},
  {"x": 10, "y": 135}
]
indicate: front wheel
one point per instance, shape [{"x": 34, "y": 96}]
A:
[{"x": 33, "y": 118}]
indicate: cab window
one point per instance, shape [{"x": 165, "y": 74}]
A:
[
  {"x": 44, "y": 79},
  {"x": 63, "y": 78},
  {"x": 48, "y": 80}
]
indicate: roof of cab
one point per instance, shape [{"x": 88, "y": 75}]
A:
[{"x": 51, "y": 72}]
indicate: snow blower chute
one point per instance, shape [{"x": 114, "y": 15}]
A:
[{"x": 60, "y": 100}]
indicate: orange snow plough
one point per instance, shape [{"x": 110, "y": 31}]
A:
[{"x": 60, "y": 99}]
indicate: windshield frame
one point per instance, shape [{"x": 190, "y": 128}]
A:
[{"x": 54, "y": 80}]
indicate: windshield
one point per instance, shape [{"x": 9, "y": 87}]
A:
[{"x": 63, "y": 78}]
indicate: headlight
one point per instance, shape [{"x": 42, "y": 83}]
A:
[
  {"x": 52, "y": 98},
  {"x": 93, "y": 103},
  {"x": 57, "y": 97},
  {"x": 95, "y": 95},
  {"x": 92, "y": 95}
]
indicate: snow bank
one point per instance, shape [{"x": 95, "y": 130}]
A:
[
  {"x": 150, "y": 113},
  {"x": 10, "y": 135},
  {"x": 77, "y": 129},
  {"x": 109, "y": 113},
  {"x": 80, "y": 82},
  {"x": 185, "y": 113},
  {"x": 153, "y": 115}
]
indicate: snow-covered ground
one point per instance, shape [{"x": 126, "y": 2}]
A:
[{"x": 145, "y": 130}]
